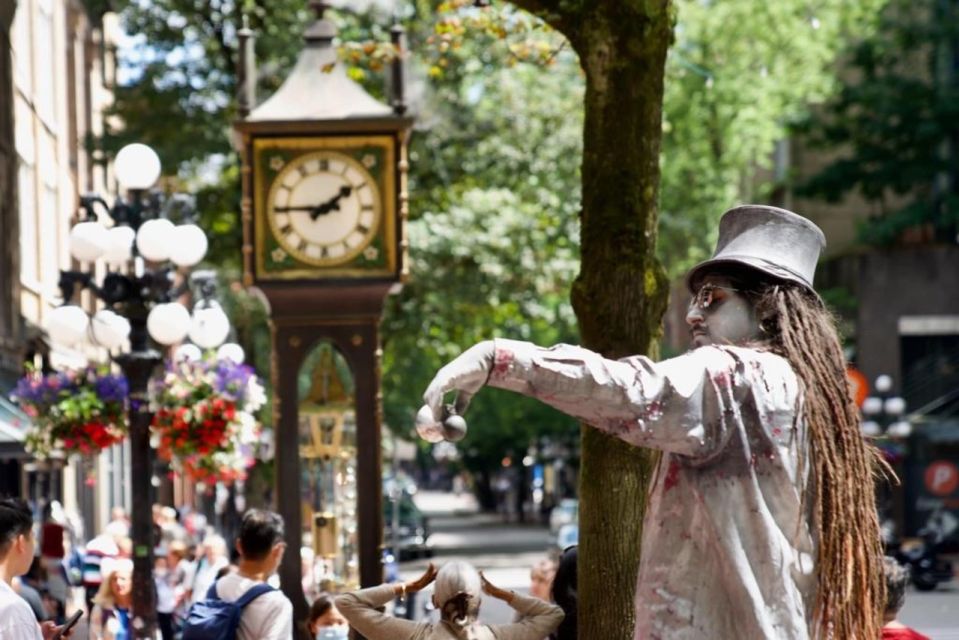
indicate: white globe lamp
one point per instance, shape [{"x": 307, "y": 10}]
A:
[
  {"x": 230, "y": 351},
  {"x": 883, "y": 383},
  {"x": 109, "y": 329},
  {"x": 67, "y": 324},
  {"x": 155, "y": 239},
  {"x": 187, "y": 352},
  {"x": 895, "y": 406},
  {"x": 88, "y": 241},
  {"x": 169, "y": 322},
  {"x": 188, "y": 245},
  {"x": 137, "y": 167},
  {"x": 120, "y": 245},
  {"x": 872, "y": 406},
  {"x": 210, "y": 326},
  {"x": 871, "y": 428},
  {"x": 900, "y": 429}
]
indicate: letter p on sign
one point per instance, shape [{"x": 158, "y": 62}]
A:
[{"x": 942, "y": 478}]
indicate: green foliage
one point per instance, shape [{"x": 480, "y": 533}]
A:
[
  {"x": 896, "y": 120},
  {"x": 495, "y": 181},
  {"x": 179, "y": 95},
  {"x": 494, "y": 197},
  {"x": 738, "y": 74}
]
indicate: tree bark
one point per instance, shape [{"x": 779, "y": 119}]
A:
[{"x": 621, "y": 292}]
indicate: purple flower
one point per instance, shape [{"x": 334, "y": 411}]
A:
[
  {"x": 232, "y": 379},
  {"x": 112, "y": 388}
]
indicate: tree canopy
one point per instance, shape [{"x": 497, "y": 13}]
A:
[
  {"x": 895, "y": 125},
  {"x": 739, "y": 74}
]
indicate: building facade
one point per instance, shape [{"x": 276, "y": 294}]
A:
[{"x": 56, "y": 76}]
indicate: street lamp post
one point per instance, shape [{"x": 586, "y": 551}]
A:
[
  {"x": 883, "y": 417},
  {"x": 884, "y": 412},
  {"x": 140, "y": 304}
]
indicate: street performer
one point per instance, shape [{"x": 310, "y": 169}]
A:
[{"x": 761, "y": 520}]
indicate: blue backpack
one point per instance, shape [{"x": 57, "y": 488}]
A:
[{"x": 215, "y": 619}]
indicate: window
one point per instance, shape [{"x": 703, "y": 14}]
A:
[
  {"x": 22, "y": 51},
  {"x": 29, "y": 273},
  {"x": 45, "y": 64}
]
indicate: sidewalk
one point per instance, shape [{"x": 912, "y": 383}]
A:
[
  {"x": 505, "y": 551},
  {"x": 460, "y": 528}
]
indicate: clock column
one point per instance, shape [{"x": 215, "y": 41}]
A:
[{"x": 328, "y": 293}]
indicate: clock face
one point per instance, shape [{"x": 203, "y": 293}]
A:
[{"x": 324, "y": 208}]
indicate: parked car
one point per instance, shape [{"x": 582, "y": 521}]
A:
[
  {"x": 566, "y": 512},
  {"x": 413, "y": 532},
  {"x": 568, "y": 536}
]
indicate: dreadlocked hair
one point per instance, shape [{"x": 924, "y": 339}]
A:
[{"x": 851, "y": 593}]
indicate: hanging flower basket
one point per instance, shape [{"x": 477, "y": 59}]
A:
[
  {"x": 73, "y": 411},
  {"x": 204, "y": 423}
]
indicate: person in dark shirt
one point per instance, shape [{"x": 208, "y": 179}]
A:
[{"x": 28, "y": 586}]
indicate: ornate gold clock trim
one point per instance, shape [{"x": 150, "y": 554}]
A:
[{"x": 370, "y": 242}]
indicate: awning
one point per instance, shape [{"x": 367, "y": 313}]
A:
[{"x": 13, "y": 428}]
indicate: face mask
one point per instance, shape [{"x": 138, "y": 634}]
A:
[{"x": 333, "y": 633}]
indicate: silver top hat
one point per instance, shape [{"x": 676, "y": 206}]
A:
[{"x": 773, "y": 241}]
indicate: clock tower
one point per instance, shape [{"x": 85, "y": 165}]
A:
[{"x": 324, "y": 209}]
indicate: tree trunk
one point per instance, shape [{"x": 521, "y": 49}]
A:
[{"x": 621, "y": 292}]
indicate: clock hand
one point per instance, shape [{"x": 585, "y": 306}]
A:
[
  {"x": 288, "y": 209},
  {"x": 331, "y": 204}
]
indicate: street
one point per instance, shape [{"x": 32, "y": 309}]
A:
[{"x": 505, "y": 553}]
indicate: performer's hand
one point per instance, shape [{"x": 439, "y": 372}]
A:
[
  {"x": 493, "y": 590},
  {"x": 417, "y": 585},
  {"x": 467, "y": 374}
]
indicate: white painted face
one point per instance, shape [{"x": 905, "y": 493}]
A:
[{"x": 719, "y": 314}]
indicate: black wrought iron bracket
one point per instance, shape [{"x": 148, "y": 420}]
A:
[{"x": 157, "y": 285}]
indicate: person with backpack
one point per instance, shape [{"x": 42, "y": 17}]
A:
[{"x": 242, "y": 605}]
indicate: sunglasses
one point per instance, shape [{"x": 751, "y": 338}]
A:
[{"x": 706, "y": 296}]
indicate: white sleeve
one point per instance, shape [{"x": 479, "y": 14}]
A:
[
  {"x": 277, "y": 622},
  {"x": 686, "y": 405}
]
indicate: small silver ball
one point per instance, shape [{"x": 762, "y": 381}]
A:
[
  {"x": 454, "y": 428},
  {"x": 427, "y": 427}
]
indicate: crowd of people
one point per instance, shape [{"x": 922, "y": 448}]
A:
[{"x": 43, "y": 566}]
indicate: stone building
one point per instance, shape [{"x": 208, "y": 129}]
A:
[{"x": 56, "y": 76}]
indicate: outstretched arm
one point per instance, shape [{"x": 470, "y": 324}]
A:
[{"x": 684, "y": 405}]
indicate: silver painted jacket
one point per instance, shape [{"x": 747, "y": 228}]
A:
[{"x": 727, "y": 547}]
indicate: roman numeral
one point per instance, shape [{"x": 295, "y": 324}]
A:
[
  {"x": 324, "y": 165},
  {"x": 295, "y": 240}
]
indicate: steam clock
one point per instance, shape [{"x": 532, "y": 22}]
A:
[{"x": 324, "y": 211}]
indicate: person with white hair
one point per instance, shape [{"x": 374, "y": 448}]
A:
[
  {"x": 457, "y": 595},
  {"x": 214, "y": 559}
]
